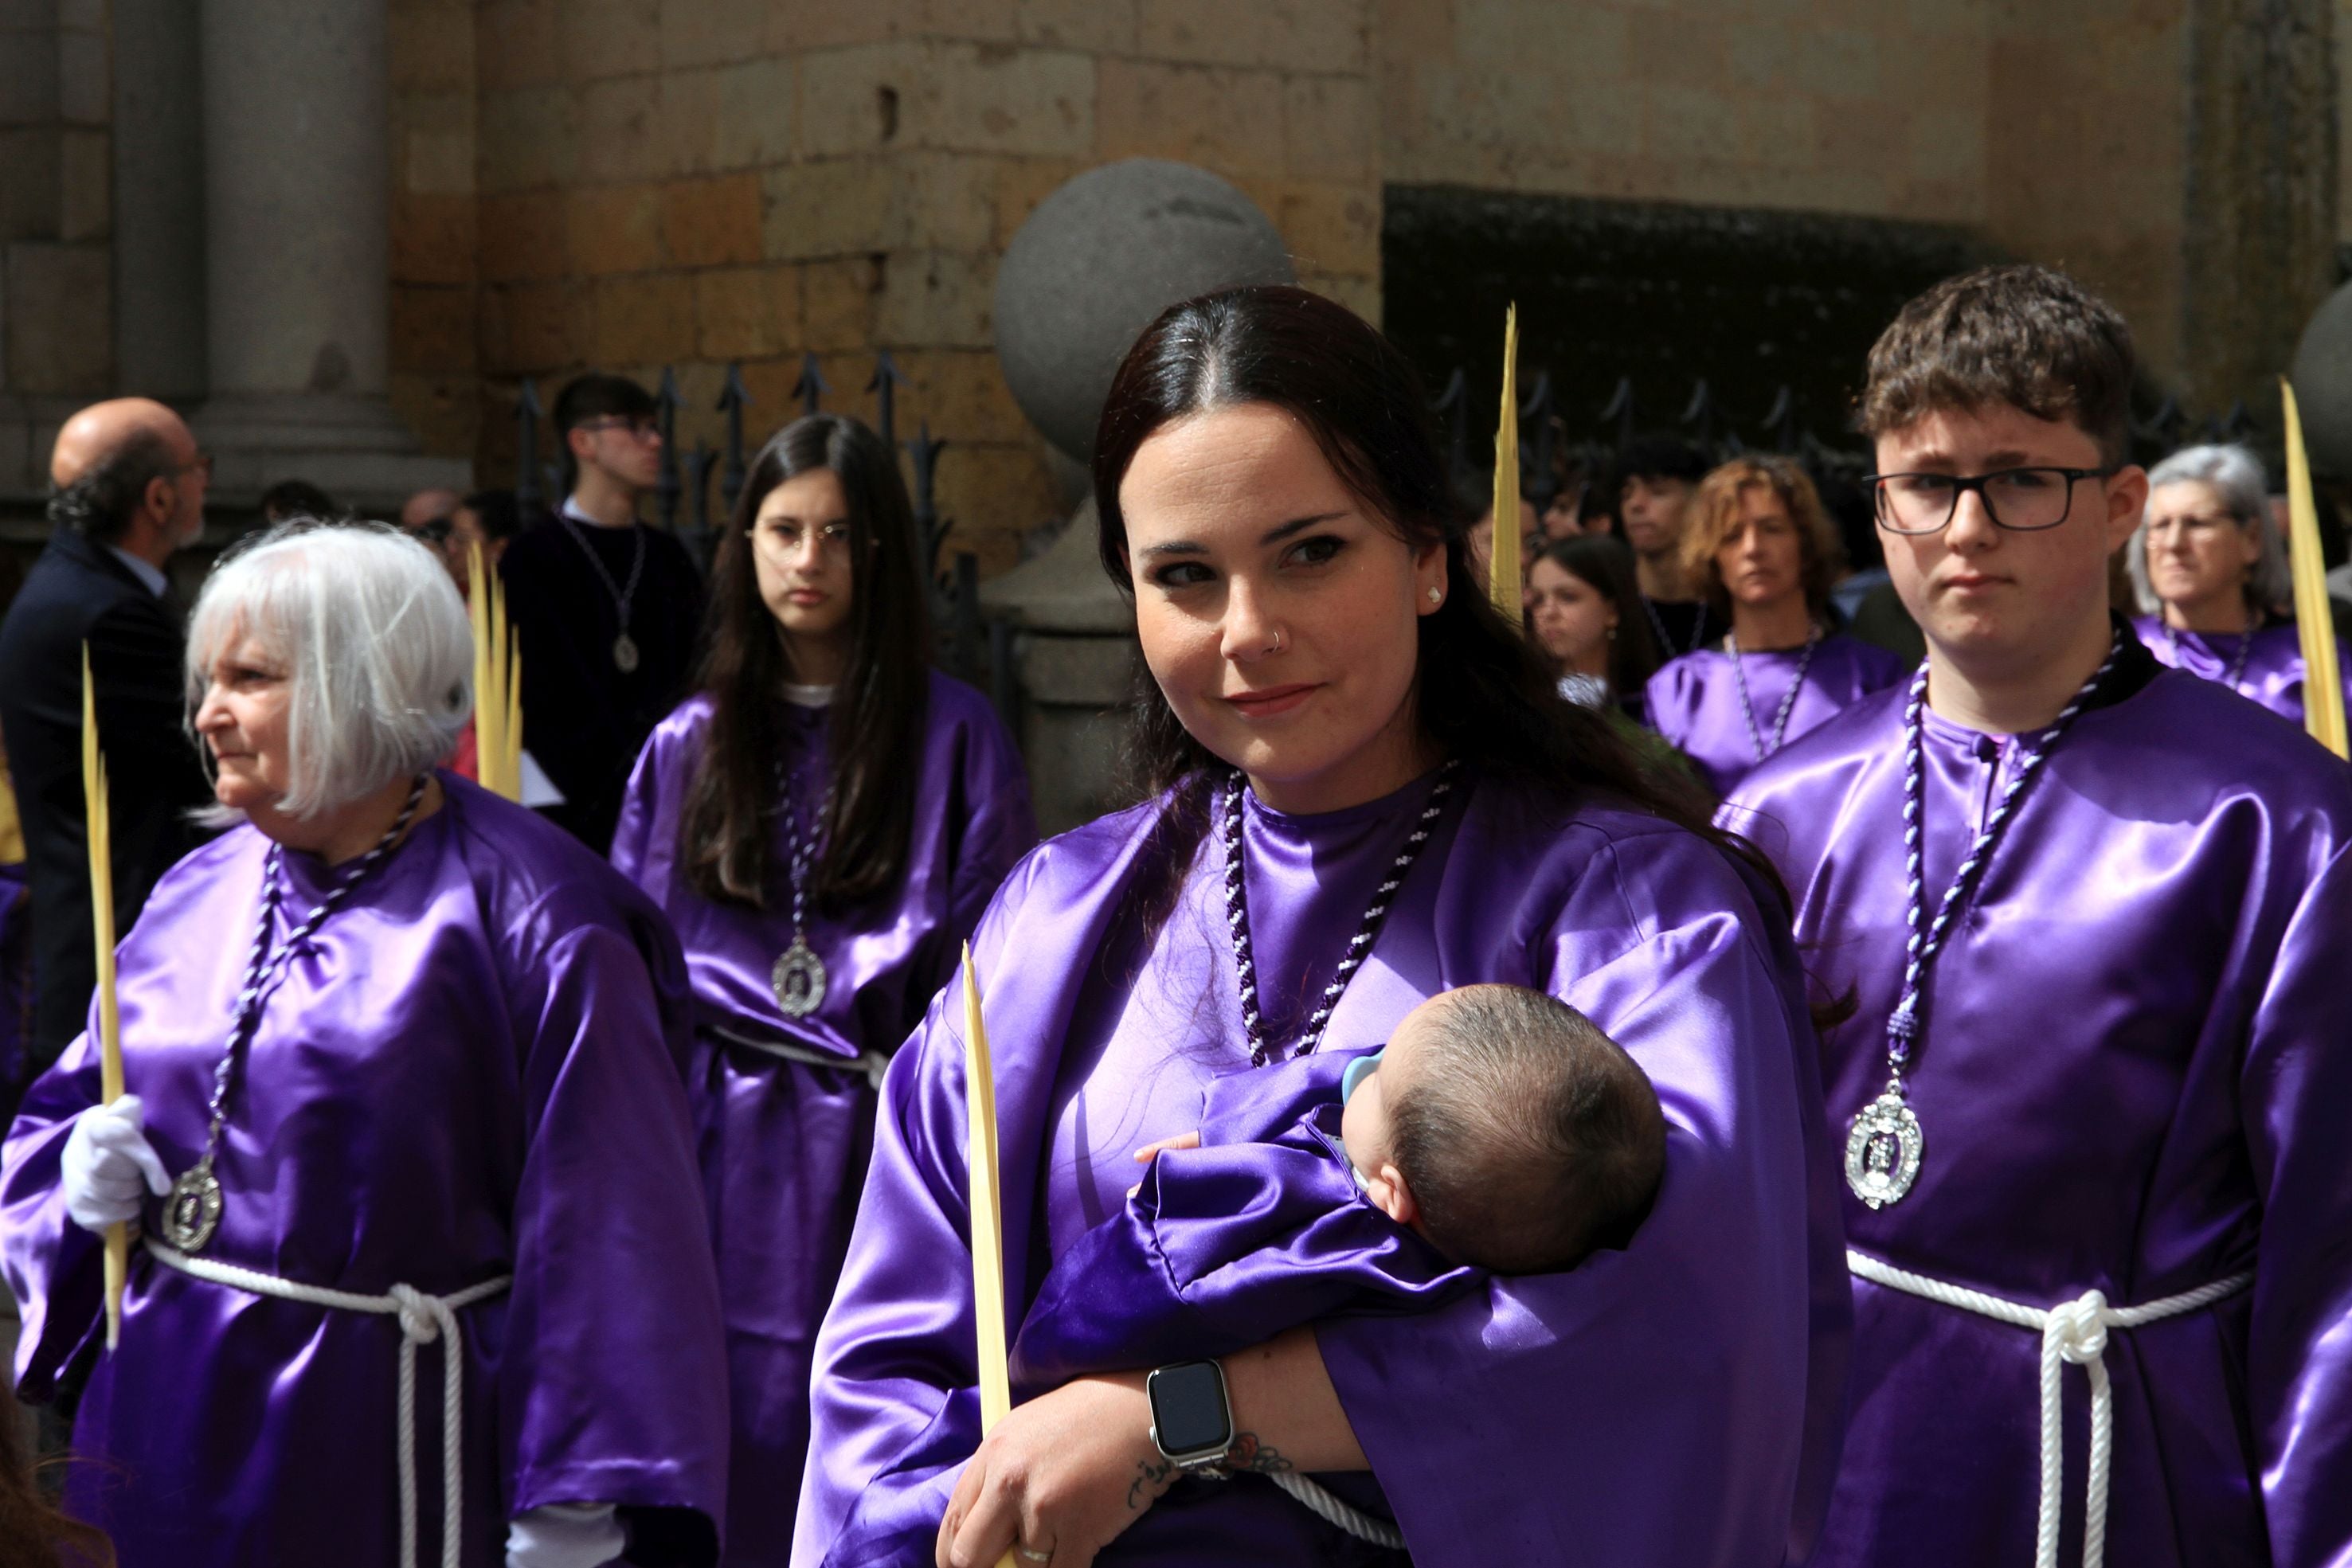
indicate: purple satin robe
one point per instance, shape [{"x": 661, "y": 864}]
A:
[
  {"x": 784, "y": 1144},
  {"x": 2132, "y": 1078},
  {"x": 470, "y": 1071},
  {"x": 1689, "y": 1388},
  {"x": 1223, "y": 1247},
  {"x": 1694, "y": 700},
  {"x": 2274, "y": 667}
]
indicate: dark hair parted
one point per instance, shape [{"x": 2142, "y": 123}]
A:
[
  {"x": 2024, "y": 335},
  {"x": 878, "y": 708},
  {"x": 1481, "y": 692},
  {"x": 101, "y": 505},
  {"x": 1604, "y": 563},
  {"x": 296, "y": 499},
  {"x": 1714, "y": 520},
  {"x": 1526, "y": 1135},
  {"x": 1659, "y": 455}
]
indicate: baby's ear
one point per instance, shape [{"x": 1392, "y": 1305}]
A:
[{"x": 1391, "y": 1195}]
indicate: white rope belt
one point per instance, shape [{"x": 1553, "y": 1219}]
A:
[
  {"x": 2073, "y": 1331},
  {"x": 423, "y": 1320},
  {"x": 873, "y": 1064},
  {"x": 1333, "y": 1509}
]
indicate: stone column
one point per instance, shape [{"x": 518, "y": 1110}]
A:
[
  {"x": 298, "y": 253},
  {"x": 2260, "y": 240},
  {"x": 159, "y": 200}
]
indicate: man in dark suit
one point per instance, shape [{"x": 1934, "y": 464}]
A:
[{"x": 128, "y": 490}]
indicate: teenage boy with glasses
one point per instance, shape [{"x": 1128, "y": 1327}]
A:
[
  {"x": 604, "y": 607},
  {"x": 2094, "y": 914}
]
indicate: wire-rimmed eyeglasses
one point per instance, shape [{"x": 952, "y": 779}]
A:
[{"x": 2023, "y": 500}]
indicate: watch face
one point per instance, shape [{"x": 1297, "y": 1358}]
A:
[{"x": 1188, "y": 1409}]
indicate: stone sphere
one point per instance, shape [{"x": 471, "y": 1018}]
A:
[
  {"x": 1096, "y": 261},
  {"x": 2323, "y": 385}
]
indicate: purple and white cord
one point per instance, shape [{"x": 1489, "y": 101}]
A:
[
  {"x": 1358, "y": 947},
  {"x": 1927, "y": 940},
  {"x": 1788, "y": 704}
]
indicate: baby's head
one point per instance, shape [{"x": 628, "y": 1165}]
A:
[{"x": 1505, "y": 1128}]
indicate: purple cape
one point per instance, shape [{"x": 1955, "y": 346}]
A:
[
  {"x": 1692, "y": 1385},
  {"x": 1223, "y": 1247},
  {"x": 2132, "y": 1078},
  {"x": 2274, "y": 668},
  {"x": 784, "y": 1144},
  {"x": 470, "y": 1071},
  {"x": 1694, "y": 700}
]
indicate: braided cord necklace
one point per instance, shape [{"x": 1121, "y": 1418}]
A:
[
  {"x": 799, "y": 975},
  {"x": 192, "y": 1211},
  {"x": 2245, "y": 646},
  {"x": 1359, "y": 946},
  {"x": 1747, "y": 707},
  {"x": 1658, "y": 625},
  {"x": 624, "y": 647},
  {"x": 1885, "y": 1144}
]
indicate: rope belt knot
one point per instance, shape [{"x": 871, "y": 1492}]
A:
[
  {"x": 2073, "y": 1331},
  {"x": 424, "y": 1319}
]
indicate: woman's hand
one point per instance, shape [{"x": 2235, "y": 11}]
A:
[{"x": 1060, "y": 1478}]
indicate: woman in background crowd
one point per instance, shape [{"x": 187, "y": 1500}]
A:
[
  {"x": 2211, "y": 573},
  {"x": 1760, "y": 547}
]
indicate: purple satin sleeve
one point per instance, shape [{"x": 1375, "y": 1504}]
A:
[
  {"x": 53, "y": 1264},
  {"x": 1732, "y": 1286},
  {"x": 1224, "y": 1246},
  {"x": 2294, "y": 1093}
]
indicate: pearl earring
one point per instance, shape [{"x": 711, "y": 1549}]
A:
[{"x": 1434, "y": 596}]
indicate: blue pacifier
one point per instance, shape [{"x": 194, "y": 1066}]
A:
[{"x": 1363, "y": 1066}]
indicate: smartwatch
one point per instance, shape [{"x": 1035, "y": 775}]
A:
[{"x": 1191, "y": 1415}]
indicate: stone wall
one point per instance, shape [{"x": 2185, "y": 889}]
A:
[
  {"x": 56, "y": 328},
  {"x": 630, "y": 183},
  {"x": 636, "y": 183}
]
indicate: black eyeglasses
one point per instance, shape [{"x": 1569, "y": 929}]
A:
[
  {"x": 643, "y": 426},
  {"x": 2023, "y": 500}
]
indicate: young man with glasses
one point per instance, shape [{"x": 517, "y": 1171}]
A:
[
  {"x": 604, "y": 607},
  {"x": 2094, "y": 913}
]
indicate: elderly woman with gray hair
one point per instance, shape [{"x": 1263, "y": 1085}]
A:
[
  {"x": 2211, "y": 573},
  {"x": 424, "y": 1273}
]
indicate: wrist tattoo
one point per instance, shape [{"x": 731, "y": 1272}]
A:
[
  {"x": 1250, "y": 1457},
  {"x": 1150, "y": 1480}
]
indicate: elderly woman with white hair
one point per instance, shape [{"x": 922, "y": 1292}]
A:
[
  {"x": 423, "y": 1273},
  {"x": 2211, "y": 572}
]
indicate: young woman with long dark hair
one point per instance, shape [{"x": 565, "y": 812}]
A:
[
  {"x": 823, "y": 821},
  {"x": 1362, "y": 789},
  {"x": 1584, "y": 610}
]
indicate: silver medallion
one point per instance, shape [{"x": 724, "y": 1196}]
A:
[
  {"x": 1883, "y": 1150},
  {"x": 192, "y": 1212},
  {"x": 625, "y": 654},
  {"x": 799, "y": 980}
]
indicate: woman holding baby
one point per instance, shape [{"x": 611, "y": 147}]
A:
[{"x": 1365, "y": 791}]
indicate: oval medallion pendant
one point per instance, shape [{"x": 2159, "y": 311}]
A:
[
  {"x": 192, "y": 1212},
  {"x": 799, "y": 980},
  {"x": 1883, "y": 1151},
  {"x": 625, "y": 654}
]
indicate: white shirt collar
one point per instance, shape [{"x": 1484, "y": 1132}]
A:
[
  {"x": 150, "y": 575},
  {"x": 572, "y": 510},
  {"x": 808, "y": 696}
]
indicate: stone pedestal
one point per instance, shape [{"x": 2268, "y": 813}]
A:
[
  {"x": 1073, "y": 646},
  {"x": 298, "y": 252}
]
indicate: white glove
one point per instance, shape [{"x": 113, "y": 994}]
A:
[
  {"x": 106, "y": 1161},
  {"x": 566, "y": 1535}
]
